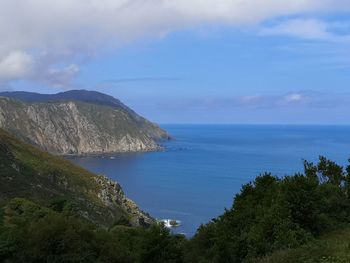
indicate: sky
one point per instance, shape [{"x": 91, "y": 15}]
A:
[{"x": 177, "y": 61}]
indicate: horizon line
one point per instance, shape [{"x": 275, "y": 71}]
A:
[{"x": 257, "y": 124}]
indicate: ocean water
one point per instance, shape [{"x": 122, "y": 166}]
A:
[{"x": 198, "y": 174}]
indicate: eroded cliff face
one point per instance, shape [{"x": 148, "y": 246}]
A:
[
  {"x": 68, "y": 127},
  {"x": 111, "y": 194}
]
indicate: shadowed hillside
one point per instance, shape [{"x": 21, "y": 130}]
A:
[{"x": 27, "y": 172}]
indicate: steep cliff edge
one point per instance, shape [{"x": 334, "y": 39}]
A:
[
  {"x": 92, "y": 123},
  {"x": 28, "y": 172}
]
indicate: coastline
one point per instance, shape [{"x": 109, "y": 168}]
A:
[{"x": 159, "y": 148}]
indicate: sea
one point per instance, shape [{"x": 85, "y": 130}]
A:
[{"x": 197, "y": 175}]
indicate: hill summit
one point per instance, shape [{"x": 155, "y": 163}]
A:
[{"x": 77, "y": 122}]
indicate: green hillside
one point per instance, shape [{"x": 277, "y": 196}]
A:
[
  {"x": 276, "y": 214},
  {"x": 30, "y": 173},
  {"x": 333, "y": 247}
]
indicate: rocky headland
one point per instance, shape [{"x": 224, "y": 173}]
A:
[{"x": 77, "y": 122}]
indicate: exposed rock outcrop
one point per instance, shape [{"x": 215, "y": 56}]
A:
[
  {"x": 112, "y": 193},
  {"x": 75, "y": 127}
]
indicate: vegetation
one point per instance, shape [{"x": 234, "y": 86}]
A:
[
  {"x": 299, "y": 218},
  {"x": 273, "y": 214},
  {"x": 29, "y": 173},
  {"x": 330, "y": 248},
  {"x": 32, "y": 233}
]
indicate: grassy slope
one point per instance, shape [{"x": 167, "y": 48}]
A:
[
  {"x": 30, "y": 173},
  {"x": 333, "y": 247}
]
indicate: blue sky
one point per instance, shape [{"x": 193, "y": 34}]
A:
[{"x": 284, "y": 64}]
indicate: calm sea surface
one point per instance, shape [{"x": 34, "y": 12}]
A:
[{"x": 200, "y": 171}]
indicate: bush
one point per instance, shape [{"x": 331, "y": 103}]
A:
[
  {"x": 32, "y": 233},
  {"x": 269, "y": 214},
  {"x": 276, "y": 213}
]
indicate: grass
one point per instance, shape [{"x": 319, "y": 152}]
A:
[
  {"x": 28, "y": 172},
  {"x": 333, "y": 247}
]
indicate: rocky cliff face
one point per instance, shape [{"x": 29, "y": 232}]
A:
[
  {"x": 75, "y": 127},
  {"x": 111, "y": 193}
]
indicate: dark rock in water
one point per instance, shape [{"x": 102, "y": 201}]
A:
[{"x": 77, "y": 122}]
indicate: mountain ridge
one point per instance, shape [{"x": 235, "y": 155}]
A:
[
  {"x": 77, "y": 122},
  {"x": 88, "y": 96}
]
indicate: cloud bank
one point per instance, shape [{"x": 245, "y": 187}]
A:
[
  {"x": 291, "y": 100},
  {"x": 38, "y": 35},
  {"x": 310, "y": 29}
]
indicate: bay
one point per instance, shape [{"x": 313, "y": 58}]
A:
[{"x": 199, "y": 172}]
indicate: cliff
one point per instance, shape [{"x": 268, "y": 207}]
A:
[
  {"x": 30, "y": 173},
  {"x": 68, "y": 124}
]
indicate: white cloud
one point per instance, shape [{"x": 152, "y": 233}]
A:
[
  {"x": 69, "y": 29},
  {"x": 312, "y": 29},
  {"x": 304, "y": 28},
  {"x": 58, "y": 77},
  {"x": 66, "y": 24},
  {"x": 294, "y": 98},
  {"x": 20, "y": 65},
  {"x": 15, "y": 65}
]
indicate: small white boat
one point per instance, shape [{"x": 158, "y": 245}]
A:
[
  {"x": 170, "y": 223},
  {"x": 112, "y": 157}
]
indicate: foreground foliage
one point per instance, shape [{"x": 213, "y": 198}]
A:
[
  {"x": 333, "y": 247},
  {"x": 32, "y": 233},
  {"x": 30, "y": 173},
  {"x": 299, "y": 218},
  {"x": 273, "y": 213}
]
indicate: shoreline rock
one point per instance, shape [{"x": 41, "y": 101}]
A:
[{"x": 111, "y": 193}]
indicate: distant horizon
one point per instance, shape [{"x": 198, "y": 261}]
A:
[
  {"x": 143, "y": 112},
  {"x": 258, "y": 124}
]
